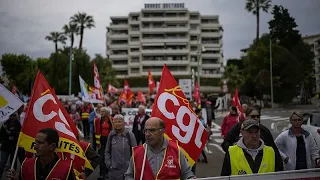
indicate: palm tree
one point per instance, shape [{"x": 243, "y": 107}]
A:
[
  {"x": 234, "y": 78},
  {"x": 70, "y": 30},
  {"x": 254, "y": 6},
  {"x": 56, "y": 37},
  {"x": 83, "y": 21}
]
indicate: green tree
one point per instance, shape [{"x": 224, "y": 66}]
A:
[
  {"x": 19, "y": 70},
  {"x": 71, "y": 30},
  {"x": 106, "y": 71},
  {"x": 254, "y": 6},
  {"x": 236, "y": 62},
  {"x": 285, "y": 70},
  {"x": 56, "y": 37},
  {"x": 58, "y": 76},
  {"x": 234, "y": 78},
  {"x": 84, "y": 21},
  {"x": 82, "y": 67},
  {"x": 284, "y": 28}
]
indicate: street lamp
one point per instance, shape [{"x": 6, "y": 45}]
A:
[
  {"x": 200, "y": 50},
  {"x": 70, "y": 71},
  {"x": 271, "y": 79}
]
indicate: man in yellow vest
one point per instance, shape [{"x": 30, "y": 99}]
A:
[{"x": 249, "y": 155}]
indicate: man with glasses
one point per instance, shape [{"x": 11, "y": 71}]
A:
[
  {"x": 158, "y": 158},
  {"x": 250, "y": 155},
  {"x": 297, "y": 146}
]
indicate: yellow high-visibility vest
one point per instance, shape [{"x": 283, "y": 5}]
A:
[{"x": 240, "y": 165}]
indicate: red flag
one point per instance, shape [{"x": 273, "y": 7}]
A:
[
  {"x": 44, "y": 111},
  {"x": 182, "y": 124},
  {"x": 128, "y": 92},
  {"x": 236, "y": 102},
  {"x": 141, "y": 98},
  {"x": 151, "y": 82},
  {"x": 196, "y": 95}
]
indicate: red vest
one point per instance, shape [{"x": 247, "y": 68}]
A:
[
  {"x": 78, "y": 163},
  {"x": 97, "y": 130},
  {"x": 60, "y": 170},
  {"x": 170, "y": 168}
]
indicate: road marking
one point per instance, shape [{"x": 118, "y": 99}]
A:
[
  {"x": 219, "y": 141},
  {"x": 272, "y": 125},
  {"x": 216, "y": 134},
  {"x": 281, "y": 119},
  {"x": 269, "y": 117},
  {"x": 216, "y": 125},
  {"x": 285, "y": 128},
  {"x": 217, "y": 146}
]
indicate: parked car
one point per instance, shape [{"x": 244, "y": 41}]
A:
[{"x": 311, "y": 123}]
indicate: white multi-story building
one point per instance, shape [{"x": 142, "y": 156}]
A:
[
  {"x": 165, "y": 33},
  {"x": 314, "y": 42}
]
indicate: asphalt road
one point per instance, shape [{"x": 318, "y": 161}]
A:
[{"x": 275, "y": 120}]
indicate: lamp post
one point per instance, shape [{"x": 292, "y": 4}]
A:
[
  {"x": 70, "y": 71},
  {"x": 271, "y": 74},
  {"x": 200, "y": 50}
]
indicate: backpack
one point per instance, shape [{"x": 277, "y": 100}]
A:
[{"x": 129, "y": 140}]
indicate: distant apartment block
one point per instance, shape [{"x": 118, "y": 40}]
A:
[
  {"x": 165, "y": 33},
  {"x": 314, "y": 42}
]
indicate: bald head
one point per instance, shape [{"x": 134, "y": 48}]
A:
[{"x": 155, "y": 121}]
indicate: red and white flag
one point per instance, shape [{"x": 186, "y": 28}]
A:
[
  {"x": 182, "y": 124},
  {"x": 112, "y": 89},
  {"x": 141, "y": 97},
  {"x": 196, "y": 95},
  {"x": 236, "y": 102},
  {"x": 97, "y": 83},
  {"x": 46, "y": 111}
]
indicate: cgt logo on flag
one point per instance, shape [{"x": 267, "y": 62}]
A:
[{"x": 182, "y": 123}]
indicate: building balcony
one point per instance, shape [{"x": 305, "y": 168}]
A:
[
  {"x": 162, "y": 19},
  {"x": 211, "y": 45},
  {"x": 212, "y": 25},
  {"x": 211, "y": 34},
  {"x": 119, "y": 46},
  {"x": 134, "y": 43},
  {"x": 119, "y": 26},
  {"x": 194, "y": 31},
  {"x": 134, "y": 22},
  {"x": 211, "y": 65},
  {"x": 165, "y": 51},
  {"x": 167, "y": 40},
  {"x": 134, "y": 32},
  {"x": 118, "y": 57},
  {"x": 211, "y": 75},
  {"x": 211, "y": 55},
  {"x": 168, "y": 62},
  {"x": 194, "y": 21},
  {"x": 135, "y": 54},
  {"x": 135, "y": 64},
  {"x": 174, "y": 73},
  {"x": 117, "y": 36},
  {"x": 168, "y": 29},
  {"x": 120, "y": 66}
]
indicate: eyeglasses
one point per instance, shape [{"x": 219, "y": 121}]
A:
[
  {"x": 255, "y": 116},
  {"x": 151, "y": 131}
]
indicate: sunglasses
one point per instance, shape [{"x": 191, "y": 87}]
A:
[{"x": 255, "y": 116}]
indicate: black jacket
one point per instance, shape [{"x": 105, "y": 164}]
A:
[
  {"x": 9, "y": 134},
  {"x": 254, "y": 164},
  {"x": 265, "y": 135},
  {"x": 135, "y": 130}
]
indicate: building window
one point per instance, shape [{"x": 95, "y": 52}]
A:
[{"x": 135, "y": 70}]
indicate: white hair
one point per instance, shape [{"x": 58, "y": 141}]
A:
[
  {"x": 105, "y": 109},
  {"x": 142, "y": 107},
  {"x": 118, "y": 116}
]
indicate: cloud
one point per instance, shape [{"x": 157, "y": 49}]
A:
[{"x": 24, "y": 24}]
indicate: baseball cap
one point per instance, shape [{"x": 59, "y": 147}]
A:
[{"x": 247, "y": 124}]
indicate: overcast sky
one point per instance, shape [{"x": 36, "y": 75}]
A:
[{"x": 25, "y": 23}]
